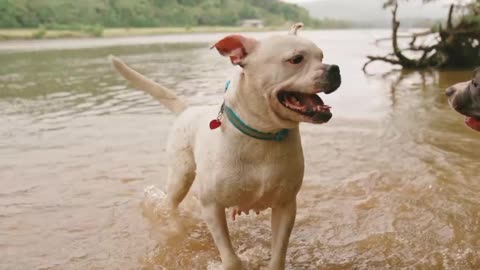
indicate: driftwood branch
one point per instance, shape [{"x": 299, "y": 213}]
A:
[
  {"x": 414, "y": 36},
  {"x": 454, "y": 45},
  {"x": 395, "y": 25},
  {"x": 380, "y": 58},
  {"x": 397, "y": 52},
  {"x": 449, "y": 20},
  {"x": 422, "y": 34},
  {"x": 421, "y": 48}
]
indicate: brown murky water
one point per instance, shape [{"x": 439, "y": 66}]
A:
[{"x": 392, "y": 182}]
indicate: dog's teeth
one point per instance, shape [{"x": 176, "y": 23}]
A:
[
  {"x": 322, "y": 108},
  {"x": 294, "y": 106}
]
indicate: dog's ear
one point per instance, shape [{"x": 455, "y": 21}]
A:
[
  {"x": 295, "y": 28},
  {"x": 476, "y": 72},
  {"x": 237, "y": 47}
]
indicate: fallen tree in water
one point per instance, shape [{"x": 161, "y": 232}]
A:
[{"x": 455, "y": 45}]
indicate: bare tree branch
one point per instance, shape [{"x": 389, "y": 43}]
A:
[
  {"x": 414, "y": 35},
  {"x": 449, "y": 20},
  {"x": 380, "y": 58},
  {"x": 396, "y": 49},
  {"x": 455, "y": 45}
]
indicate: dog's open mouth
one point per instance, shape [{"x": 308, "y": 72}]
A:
[
  {"x": 473, "y": 123},
  {"x": 308, "y": 105}
]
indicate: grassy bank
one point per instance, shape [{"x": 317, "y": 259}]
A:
[{"x": 22, "y": 34}]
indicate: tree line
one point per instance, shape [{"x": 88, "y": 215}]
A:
[{"x": 147, "y": 13}]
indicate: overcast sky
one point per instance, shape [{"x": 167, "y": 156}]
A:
[
  {"x": 372, "y": 11},
  {"x": 299, "y": 1}
]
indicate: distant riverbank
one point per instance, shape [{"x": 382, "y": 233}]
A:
[
  {"x": 139, "y": 39},
  {"x": 27, "y": 34},
  {"x": 28, "y": 45}
]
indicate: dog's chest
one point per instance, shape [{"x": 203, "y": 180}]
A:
[{"x": 255, "y": 179}]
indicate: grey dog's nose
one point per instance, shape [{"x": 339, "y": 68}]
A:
[
  {"x": 333, "y": 69},
  {"x": 450, "y": 91}
]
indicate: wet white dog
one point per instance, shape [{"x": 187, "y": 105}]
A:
[{"x": 247, "y": 154}]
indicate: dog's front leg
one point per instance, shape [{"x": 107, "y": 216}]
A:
[
  {"x": 283, "y": 219},
  {"x": 217, "y": 224}
]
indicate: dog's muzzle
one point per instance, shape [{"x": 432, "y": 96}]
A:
[{"x": 333, "y": 78}]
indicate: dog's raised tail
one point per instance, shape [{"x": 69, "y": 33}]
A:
[{"x": 166, "y": 96}]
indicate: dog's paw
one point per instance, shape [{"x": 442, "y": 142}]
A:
[
  {"x": 154, "y": 193},
  {"x": 234, "y": 264},
  {"x": 154, "y": 199}
]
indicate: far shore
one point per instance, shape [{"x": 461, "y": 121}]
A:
[
  {"x": 32, "y": 33},
  {"x": 24, "y": 42}
]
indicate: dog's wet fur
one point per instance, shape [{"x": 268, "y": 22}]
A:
[
  {"x": 464, "y": 97},
  {"x": 277, "y": 88}
]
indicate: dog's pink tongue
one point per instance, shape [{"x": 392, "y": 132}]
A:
[
  {"x": 296, "y": 104},
  {"x": 312, "y": 100},
  {"x": 473, "y": 123}
]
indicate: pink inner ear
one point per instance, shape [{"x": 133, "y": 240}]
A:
[
  {"x": 237, "y": 55},
  {"x": 236, "y": 47}
]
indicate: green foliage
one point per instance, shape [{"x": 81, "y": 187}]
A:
[
  {"x": 93, "y": 30},
  {"x": 146, "y": 13},
  {"x": 40, "y": 33}
]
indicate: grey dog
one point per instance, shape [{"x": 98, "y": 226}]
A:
[{"x": 464, "y": 97}]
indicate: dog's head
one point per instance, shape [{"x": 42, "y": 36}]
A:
[
  {"x": 464, "y": 97},
  {"x": 284, "y": 74}
]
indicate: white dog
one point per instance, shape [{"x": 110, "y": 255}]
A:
[{"x": 249, "y": 157}]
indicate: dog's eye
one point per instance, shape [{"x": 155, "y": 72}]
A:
[
  {"x": 297, "y": 59},
  {"x": 475, "y": 83}
]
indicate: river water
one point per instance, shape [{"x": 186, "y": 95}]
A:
[{"x": 392, "y": 181}]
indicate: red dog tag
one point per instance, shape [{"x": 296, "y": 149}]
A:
[{"x": 215, "y": 123}]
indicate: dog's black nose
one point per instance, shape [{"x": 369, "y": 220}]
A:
[
  {"x": 450, "y": 91},
  {"x": 333, "y": 69},
  {"x": 333, "y": 77}
]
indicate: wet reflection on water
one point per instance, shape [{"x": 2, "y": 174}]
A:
[{"x": 391, "y": 182}]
